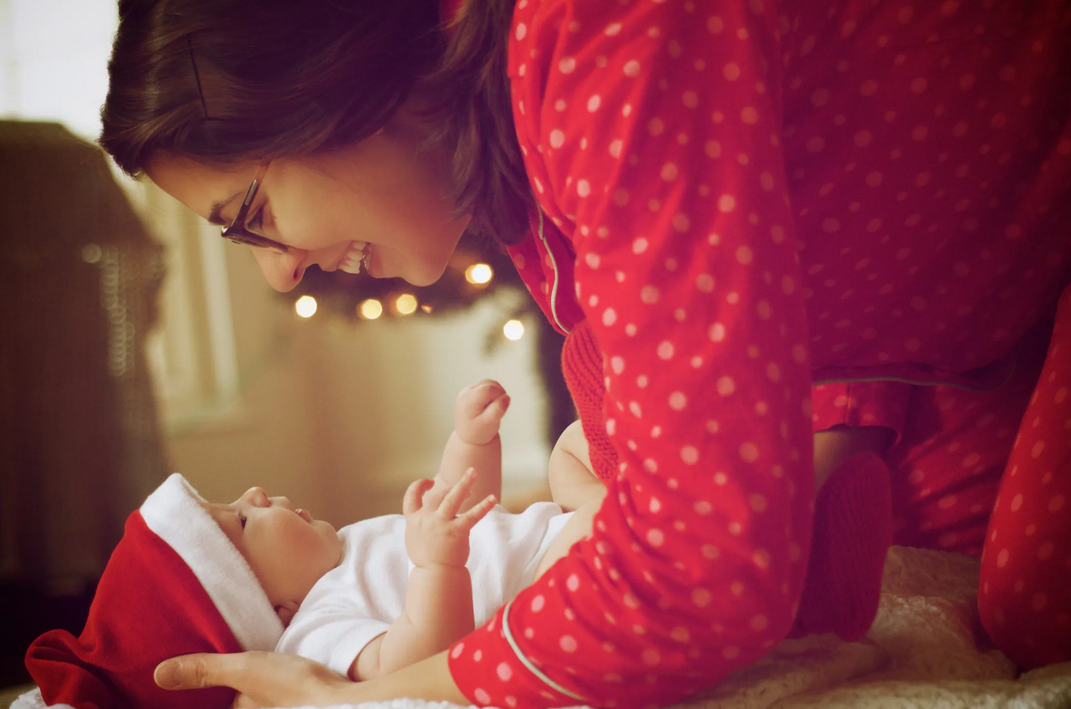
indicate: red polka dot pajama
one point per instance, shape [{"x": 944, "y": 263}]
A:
[
  {"x": 744, "y": 197},
  {"x": 1025, "y": 595}
]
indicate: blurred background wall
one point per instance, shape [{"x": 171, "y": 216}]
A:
[{"x": 166, "y": 351}]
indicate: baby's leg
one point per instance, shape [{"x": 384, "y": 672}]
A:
[
  {"x": 852, "y": 521},
  {"x": 569, "y": 473},
  {"x": 578, "y": 527},
  {"x": 475, "y": 442}
]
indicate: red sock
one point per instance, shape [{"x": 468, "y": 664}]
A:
[{"x": 852, "y": 534}]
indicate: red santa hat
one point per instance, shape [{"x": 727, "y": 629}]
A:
[{"x": 175, "y": 584}]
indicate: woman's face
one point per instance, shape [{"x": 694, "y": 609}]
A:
[{"x": 382, "y": 202}]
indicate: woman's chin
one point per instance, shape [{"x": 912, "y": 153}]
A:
[{"x": 422, "y": 275}]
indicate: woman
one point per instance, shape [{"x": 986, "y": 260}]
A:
[{"x": 721, "y": 206}]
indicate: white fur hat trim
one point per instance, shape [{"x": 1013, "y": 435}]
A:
[{"x": 174, "y": 512}]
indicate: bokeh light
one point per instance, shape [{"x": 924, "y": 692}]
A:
[
  {"x": 479, "y": 273},
  {"x": 513, "y": 330},
  {"x": 406, "y": 304},
  {"x": 305, "y": 306},
  {"x": 91, "y": 253},
  {"x": 370, "y": 309}
]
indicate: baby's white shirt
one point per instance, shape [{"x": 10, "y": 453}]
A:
[{"x": 359, "y": 599}]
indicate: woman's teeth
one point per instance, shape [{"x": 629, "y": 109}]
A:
[{"x": 355, "y": 258}]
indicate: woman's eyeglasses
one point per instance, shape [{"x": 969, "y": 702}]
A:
[{"x": 237, "y": 231}]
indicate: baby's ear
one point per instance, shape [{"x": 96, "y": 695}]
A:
[{"x": 286, "y": 611}]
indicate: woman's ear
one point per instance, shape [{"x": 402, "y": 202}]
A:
[{"x": 286, "y": 611}]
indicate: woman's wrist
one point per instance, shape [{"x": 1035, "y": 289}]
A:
[{"x": 428, "y": 679}]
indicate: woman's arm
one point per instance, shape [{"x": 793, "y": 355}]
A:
[
  {"x": 652, "y": 140},
  {"x": 268, "y": 679},
  {"x": 428, "y": 679}
]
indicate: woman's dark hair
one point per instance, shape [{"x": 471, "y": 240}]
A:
[{"x": 227, "y": 80}]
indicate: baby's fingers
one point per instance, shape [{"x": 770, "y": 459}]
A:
[
  {"x": 478, "y": 512},
  {"x": 414, "y": 495},
  {"x": 496, "y": 408},
  {"x": 457, "y": 495}
]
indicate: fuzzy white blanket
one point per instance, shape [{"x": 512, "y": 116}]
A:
[{"x": 926, "y": 650}]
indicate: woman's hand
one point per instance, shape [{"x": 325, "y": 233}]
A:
[
  {"x": 268, "y": 679},
  {"x": 263, "y": 679}
]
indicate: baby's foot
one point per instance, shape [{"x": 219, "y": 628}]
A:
[{"x": 479, "y": 411}]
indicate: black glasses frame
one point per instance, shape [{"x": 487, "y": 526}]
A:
[{"x": 237, "y": 231}]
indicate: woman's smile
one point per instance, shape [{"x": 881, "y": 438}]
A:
[{"x": 356, "y": 258}]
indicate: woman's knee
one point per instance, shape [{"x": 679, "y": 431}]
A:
[{"x": 1027, "y": 614}]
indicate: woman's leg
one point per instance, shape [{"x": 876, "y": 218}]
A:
[
  {"x": 957, "y": 449},
  {"x": 1025, "y": 585},
  {"x": 948, "y": 464}
]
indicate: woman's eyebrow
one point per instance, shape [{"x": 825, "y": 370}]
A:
[{"x": 216, "y": 216}]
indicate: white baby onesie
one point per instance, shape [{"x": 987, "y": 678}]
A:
[{"x": 359, "y": 599}]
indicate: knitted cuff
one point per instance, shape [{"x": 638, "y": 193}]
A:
[{"x": 582, "y": 365}]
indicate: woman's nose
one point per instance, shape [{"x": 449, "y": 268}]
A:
[{"x": 282, "y": 270}]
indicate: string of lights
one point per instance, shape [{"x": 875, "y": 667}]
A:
[{"x": 475, "y": 271}]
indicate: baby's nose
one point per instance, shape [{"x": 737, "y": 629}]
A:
[{"x": 257, "y": 497}]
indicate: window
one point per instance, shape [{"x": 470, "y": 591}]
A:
[{"x": 53, "y": 67}]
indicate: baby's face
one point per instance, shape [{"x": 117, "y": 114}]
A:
[{"x": 287, "y": 549}]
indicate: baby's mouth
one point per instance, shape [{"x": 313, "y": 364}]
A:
[{"x": 356, "y": 257}]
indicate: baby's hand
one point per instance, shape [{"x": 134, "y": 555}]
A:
[
  {"x": 435, "y": 535},
  {"x": 479, "y": 410}
]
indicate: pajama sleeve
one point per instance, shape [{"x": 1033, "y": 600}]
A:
[{"x": 652, "y": 136}]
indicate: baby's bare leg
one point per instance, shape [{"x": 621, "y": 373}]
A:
[
  {"x": 836, "y": 445},
  {"x": 578, "y": 527}
]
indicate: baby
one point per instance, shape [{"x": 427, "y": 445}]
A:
[{"x": 192, "y": 576}]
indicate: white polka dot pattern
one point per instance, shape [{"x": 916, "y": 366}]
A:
[
  {"x": 733, "y": 197},
  {"x": 1026, "y": 566}
]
